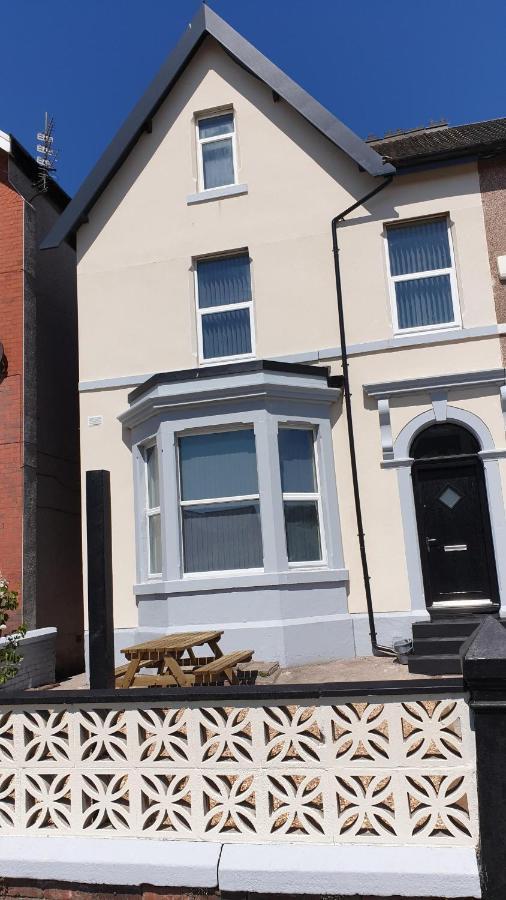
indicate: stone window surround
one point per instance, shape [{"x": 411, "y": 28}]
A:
[
  {"x": 396, "y": 455},
  {"x": 298, "y": 395}
]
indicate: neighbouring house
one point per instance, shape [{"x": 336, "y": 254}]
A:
[
  {"x": 40, "y": 550},
  {"x": 211, "y": 377}
]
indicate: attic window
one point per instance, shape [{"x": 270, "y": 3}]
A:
[{"x": 216, "y": 150}]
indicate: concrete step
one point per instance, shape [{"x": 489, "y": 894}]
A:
[
  {"x": 431, "y": 645},
  {"x": 457, "y": 627},
  {"x": 435, "y": 664}
]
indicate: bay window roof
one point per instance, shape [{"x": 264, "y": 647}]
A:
[{"x": 231, "y": 381}]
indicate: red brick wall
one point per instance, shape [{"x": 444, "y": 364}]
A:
[
  {"x": 11, "y": 388},
  {"x": 38, "y": 890}
]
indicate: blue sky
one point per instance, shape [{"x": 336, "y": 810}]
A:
[{"x": 378, "y": 66}]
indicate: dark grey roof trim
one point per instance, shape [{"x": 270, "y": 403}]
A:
[
  {"x": 238, "y": 368},
  {"x": 206, "y": 22}
]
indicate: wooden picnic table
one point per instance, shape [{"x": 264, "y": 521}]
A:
[{"x": 166, "y": 655}]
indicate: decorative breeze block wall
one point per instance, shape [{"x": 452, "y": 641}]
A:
[{"x": 372, "y": 771}]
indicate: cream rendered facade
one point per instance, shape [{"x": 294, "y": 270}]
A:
[{"x": 137, "y": 317}]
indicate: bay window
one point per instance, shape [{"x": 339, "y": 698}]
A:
[
  {"x": 220, "y": 503},
  {"x": 246, "y": 493},
  {"x": 301, "y": 496},
  {"x": 422, "y": 277}
]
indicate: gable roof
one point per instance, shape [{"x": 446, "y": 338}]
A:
[
  {"x": 442, "y": 142},
  {"x": 206, "y": 22}
]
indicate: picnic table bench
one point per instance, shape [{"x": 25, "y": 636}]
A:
[{"x": 175, "y": 662}]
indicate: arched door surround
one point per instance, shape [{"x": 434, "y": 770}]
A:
[
  {"x": 453, "y": 521},
  {"x": 403, "y": 462}
]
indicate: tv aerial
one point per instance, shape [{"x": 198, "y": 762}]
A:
[{"x": 46, "y": 154}]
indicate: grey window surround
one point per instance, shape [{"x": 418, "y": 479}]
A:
[
  {"x": 264, "y": 400},
  {"x": 194, "y": 584},
  {"x": 219, "y": 193}
]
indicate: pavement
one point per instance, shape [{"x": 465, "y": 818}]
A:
[{"x": 366, "y": 668}]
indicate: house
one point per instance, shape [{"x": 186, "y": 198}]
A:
[
  {"x": 211, "y": 363},
  {"x": 40, "y": 551}
]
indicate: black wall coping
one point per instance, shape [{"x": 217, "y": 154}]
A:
[
  {"x": 241, "y": 368},
  {"x": 268, "y": 693}
]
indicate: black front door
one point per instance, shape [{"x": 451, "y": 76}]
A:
[{"x": 454, "y": 532}]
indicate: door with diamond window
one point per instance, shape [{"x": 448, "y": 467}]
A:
[{"x": 456, "y": 546}]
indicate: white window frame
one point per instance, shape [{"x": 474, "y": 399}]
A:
[
  {"x": 150, "y": 511},
  {"x": 212, "y": 310},
  {"x": 393, "y": 279},
  {"x": 220, "y": 137},
  {"x": 315, "y": 496},
  {"x": 211, "y": 501}
]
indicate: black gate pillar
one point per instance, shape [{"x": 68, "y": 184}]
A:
[
  {"x": 484, "y": 672},
  {"x": 100, "y": 611}
]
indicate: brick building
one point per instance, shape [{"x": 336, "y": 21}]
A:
[{"x": 40, "y": 552}]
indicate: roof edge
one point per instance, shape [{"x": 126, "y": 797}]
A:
[
  {"x": 206, "y": 22},
  {"x": 318, "y": 116},
  {"x": 5, "y": 141}
]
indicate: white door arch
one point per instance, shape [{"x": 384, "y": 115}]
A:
[{"x": 403, "y": 462}]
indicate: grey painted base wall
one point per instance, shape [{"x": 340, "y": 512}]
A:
[
  {"x": 389, "y": 627},
  {"x": 291, "y": 642},
  {"x": 38, "y": 649}
]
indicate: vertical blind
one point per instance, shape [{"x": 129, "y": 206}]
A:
[
  {"x": 225, "y": 281},
  {"x": 297, "y": 460},
  {"x": 302, "y": 531},
  {"x": 416, "y": 248},
  {"x": 424, "y": 301},
  {"x": 224, "y": 535},
  {"x": 298, "y": 477},
  {"x": 218, "y": 464},
  {"x": 420, "y": 247},
  {"x": 226, "y": 334}
]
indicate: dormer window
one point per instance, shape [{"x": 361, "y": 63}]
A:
[{"x": 216, "y": 150}]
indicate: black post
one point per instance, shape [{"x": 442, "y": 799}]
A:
[
  {"x": 100, "y": 611},
  {"x": 484, "y": 672}
]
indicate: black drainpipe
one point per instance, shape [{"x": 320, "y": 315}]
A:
[{"x": 376, "y": 649}]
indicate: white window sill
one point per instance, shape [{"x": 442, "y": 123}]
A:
[
  {"x": 220, "y": 360},
  {"x": 230, "y": 190},
  {"x": 210, "y": 583},
  {"x": 427, "y": 329}
]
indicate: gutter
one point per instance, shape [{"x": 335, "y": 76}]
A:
[{"x": 336, "y": 221}]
